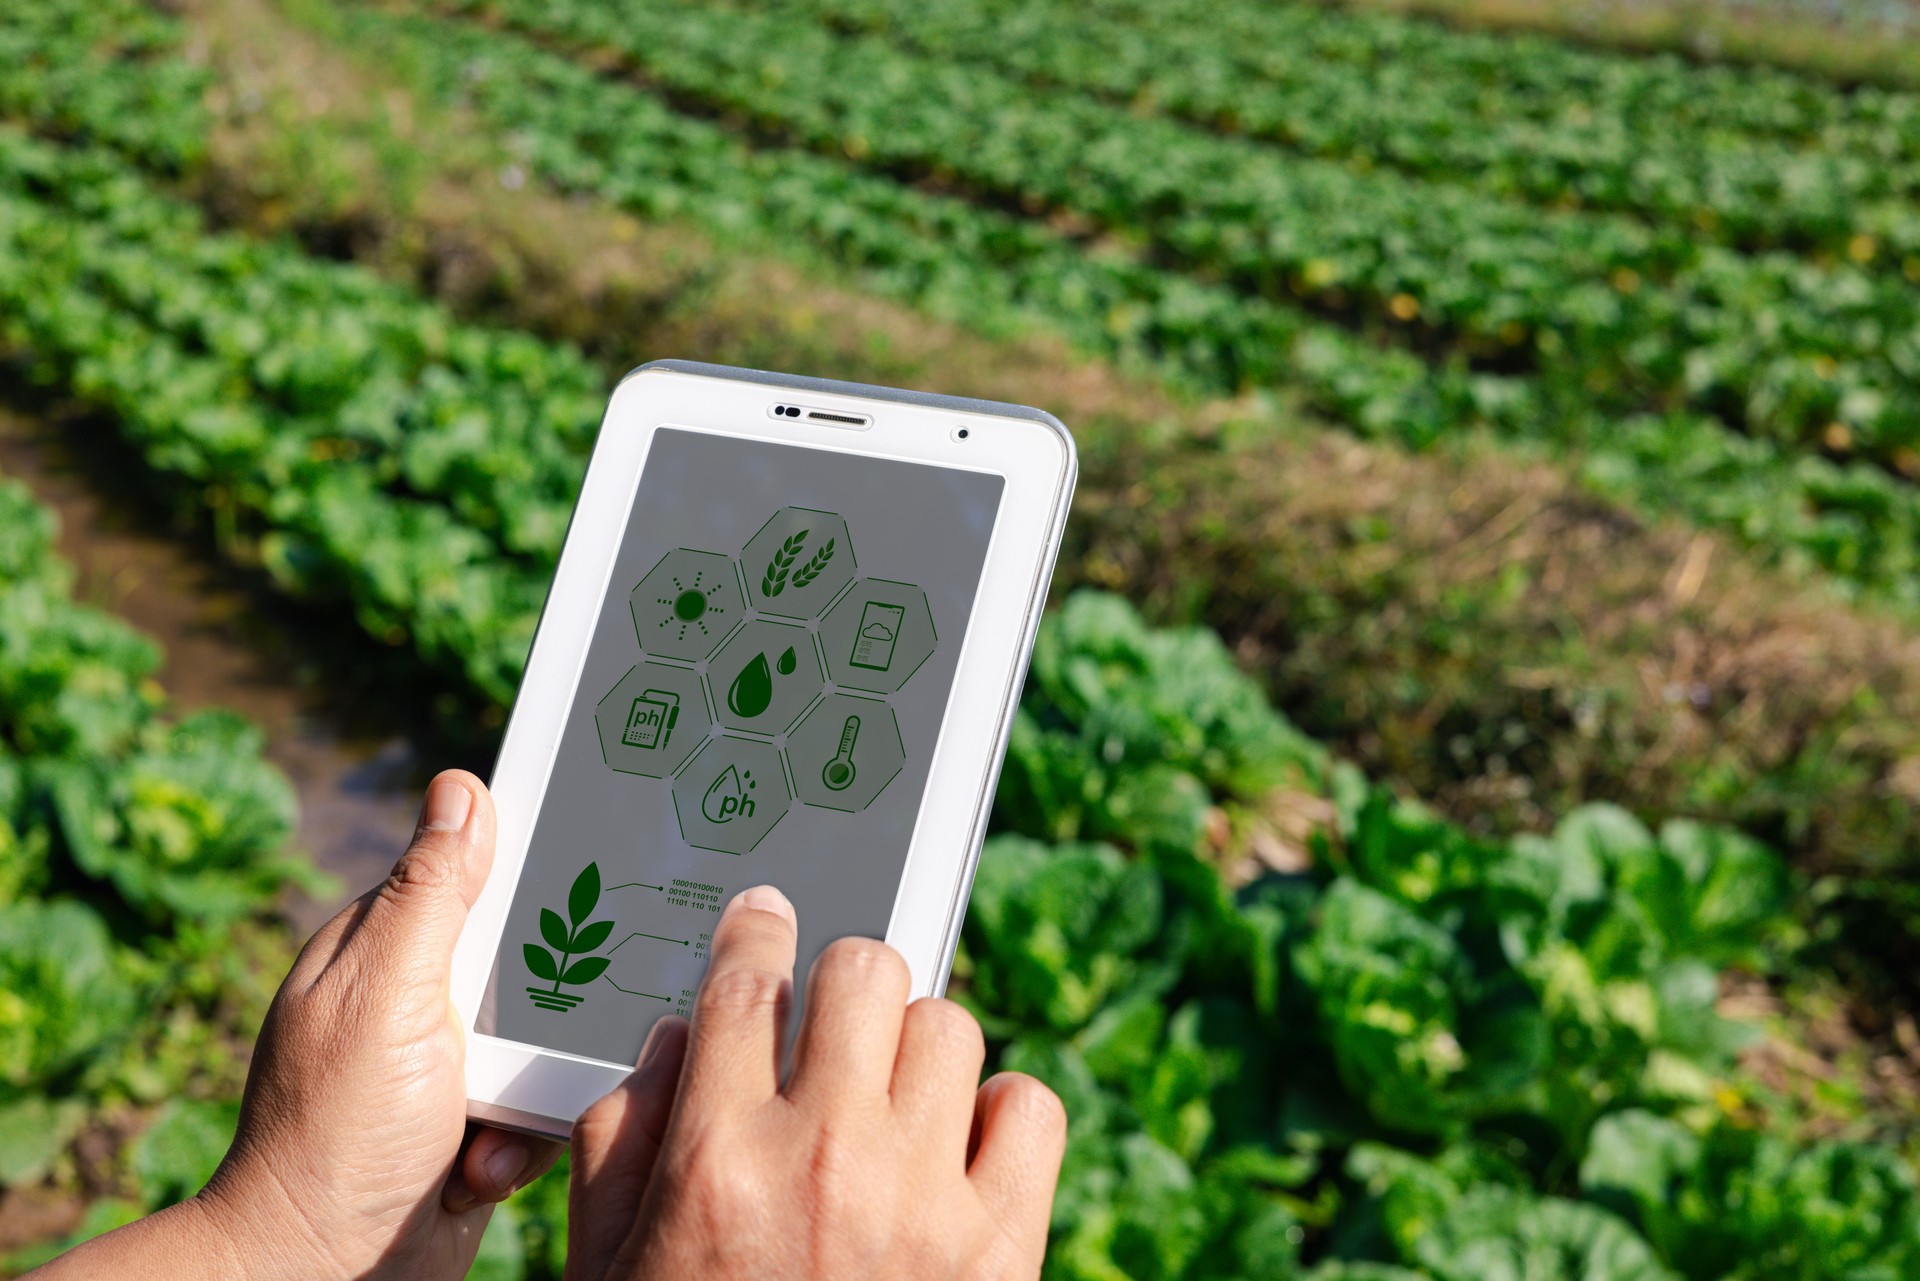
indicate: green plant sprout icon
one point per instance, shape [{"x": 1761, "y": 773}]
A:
[
  {"x": 577, "y": 941},
  {"x": 838, "y": 773},
  {"x": 752, "y": 689},
  {"x": 774, "y": 581},
  {"x": 690, "y": 605}
]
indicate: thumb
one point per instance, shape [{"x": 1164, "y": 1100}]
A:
[{"x": 414, "y": 916}]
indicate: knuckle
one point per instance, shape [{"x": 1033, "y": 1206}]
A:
[
  {"x": 947, "y": 1025},
  {"x": 745, "y": 990},
  {"x": 423, "y": 869},
  {"x": 725, "y": 1189},
  {"x": 601, "y": 1121},
  {"x": 1031, "y": 1103},
  {"x": 870, "y": 957}
]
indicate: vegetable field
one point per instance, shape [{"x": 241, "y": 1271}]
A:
[{"x": 1460, "y": 822}]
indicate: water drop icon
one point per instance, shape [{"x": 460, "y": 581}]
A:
[
  {"x": 787, "y": 662},
  {"x": 752, "y": 689}
]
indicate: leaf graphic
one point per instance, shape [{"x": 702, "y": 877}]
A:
[
  {"x": 541, "y": 962},
  {"x": 553, "y": 930},
  {"x": 584, "y": 894},
  {"x": 591, "y": 936},
  {"x": 811, "y": 570},
  {"x": 774, "y": 581},
  {"x": 586, "y": 971}
]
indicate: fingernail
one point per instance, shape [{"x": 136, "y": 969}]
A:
[
  {"x": 764, "y": 898},
  {"x": 448, "y": 804},
  {"x": 505, "y": 1165}
]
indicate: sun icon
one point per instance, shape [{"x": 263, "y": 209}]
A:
[{"x": 690, "y": 606}]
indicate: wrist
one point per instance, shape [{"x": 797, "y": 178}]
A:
[
  {"x": 252, "y": 1228},
  {"x": 200, "y": 1239}
]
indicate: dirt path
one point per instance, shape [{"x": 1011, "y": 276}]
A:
[{"x": 358, "y": 779}]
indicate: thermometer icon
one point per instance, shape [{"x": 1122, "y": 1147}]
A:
[{"x": 838, "y": 772}]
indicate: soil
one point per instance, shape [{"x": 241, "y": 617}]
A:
[{"x": 357, "y": 772}]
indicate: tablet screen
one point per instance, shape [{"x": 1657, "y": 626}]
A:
[{"x": 760, "y": 701}]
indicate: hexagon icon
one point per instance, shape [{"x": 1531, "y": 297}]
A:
[
  {"x": 798, "y": 562},
  {"x": 877, "y": 635},
  {"x": 686, "y": 604},
  {"x": 845, "y": 752},
  {"x": 731, "y": 795},
  {"x": 652, "y": 719},
  {"x": 764, "y": 676}
]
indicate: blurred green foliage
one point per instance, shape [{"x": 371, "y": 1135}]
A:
[
  {"x": 143, "y": 859},
  {"x": 1303, "y": 1026}
]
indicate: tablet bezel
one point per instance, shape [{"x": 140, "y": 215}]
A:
[{"x": 541, "y": 1090}]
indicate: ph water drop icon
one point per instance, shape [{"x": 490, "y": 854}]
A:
[{"x": 726, "y": 798}]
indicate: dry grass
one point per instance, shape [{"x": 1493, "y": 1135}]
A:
[
  {"x": 1702, "y": 30},
  {"x": 1508, "y": 646}
]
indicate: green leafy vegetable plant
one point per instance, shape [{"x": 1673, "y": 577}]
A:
[{"x": 142, "y": 858}]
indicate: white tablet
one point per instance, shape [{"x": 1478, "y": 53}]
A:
[{"x": 784, "y": 644}]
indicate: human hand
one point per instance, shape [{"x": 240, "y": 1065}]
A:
[
  {"x": 876, "y": 1158},
  {"x": 353, "y": 1156}
]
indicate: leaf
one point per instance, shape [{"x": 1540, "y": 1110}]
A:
[
  {"x": 179, "y": 1152},
  {"x": 1499, "y": 1233},
  {"x": 554, "y": 930},
  {"x": 591, "y": 936},
  {"x": 32, "y": 1133},
  {"x": 584, "y": 894},
  {"x": 586, "y": 971},
  {"x": 541, "y": 961}
]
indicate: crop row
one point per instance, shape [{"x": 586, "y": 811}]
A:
[
  {"x": 104, "y": 73},
  {"x": 1334, "y": 84},
  {"x": 1422, "y": 1028},
  {"x": 1475, "y": 1047},
  {"x": 420, "y": 468},
  {"x": 374, "y": 534},
  {"x": 588, "y": 134},
  {"x": 344, "y": 369},
  {"x": 1410, "y": 1053},
  {"x": 336, "y": 525},
  {"x": 495, "y": 423},
  {"x": 1409, "y": 1056},
  {"x": 414, "y": 572},
  {"x": 138, "y": 856},
  {"x": 1603, "y": 308},
  {"x": 1545, "y": 81}
]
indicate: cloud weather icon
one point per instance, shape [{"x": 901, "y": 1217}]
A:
[{"x": 876, "y": 631}]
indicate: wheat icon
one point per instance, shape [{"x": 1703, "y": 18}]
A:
[
  {"x": 811, "y": 570},
  {"x": 774, "y": 581}
]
